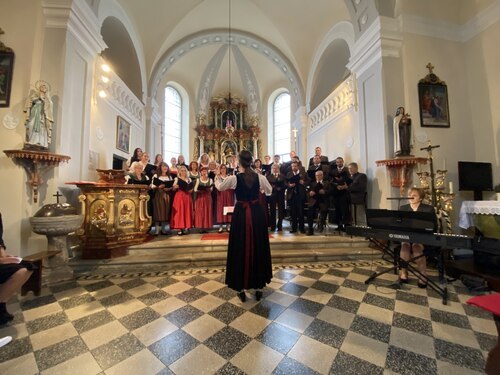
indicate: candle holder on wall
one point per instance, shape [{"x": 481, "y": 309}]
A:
[{"x": 434, "y": 186}]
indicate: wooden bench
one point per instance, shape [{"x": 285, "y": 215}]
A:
[{"x": 34, "y": 283}]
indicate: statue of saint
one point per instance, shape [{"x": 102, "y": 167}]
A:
[
  {"x": 402, "y": 133},
  {"x": 39, "y": 117}
]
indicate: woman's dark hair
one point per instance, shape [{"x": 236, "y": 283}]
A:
[
  {"x": 245, "y": 157},
  {"x": 135, "y": 156},
  {"x": 158, "y": 169},
  {"x": 255, "y": 163},
  {"x": 193, "y": 164}
]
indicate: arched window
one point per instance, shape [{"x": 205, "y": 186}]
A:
[
  {"x": 281, "y": 125},
  {"x": 173, "y": 124}
]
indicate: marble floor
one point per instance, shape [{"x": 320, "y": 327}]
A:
[{"x": 313, "y": 319}]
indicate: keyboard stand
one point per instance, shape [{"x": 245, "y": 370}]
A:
[{"x": 442, "y": 291}]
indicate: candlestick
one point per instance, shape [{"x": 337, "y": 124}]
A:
[{"x": 450, "y": 187}]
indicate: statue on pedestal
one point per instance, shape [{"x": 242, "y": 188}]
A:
[
  {"x": 39, "y": 117},
  {"x": 402, "y": 133}
]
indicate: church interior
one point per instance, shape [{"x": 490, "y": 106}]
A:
[{"x": 397, "y": 87}]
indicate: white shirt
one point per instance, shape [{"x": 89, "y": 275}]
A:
[{"x": 230, "y": 182}]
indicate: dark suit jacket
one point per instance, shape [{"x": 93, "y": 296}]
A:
[
  {"x": 279, "y": 184},
  {"x": 422, "y": 207},
  {"x": 320, "y": 200},
  {"x": 323, "y": 160},
  {"x": 311, "y": 172},
  {"x": 357, "y": 188},
  {"x": 299, "y": 189}
]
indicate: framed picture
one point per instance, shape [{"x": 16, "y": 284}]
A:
[
  {"x": 433, "y": 101},
  {"x": 122, "y": 135},
  {"x": 6, "y": 69}
]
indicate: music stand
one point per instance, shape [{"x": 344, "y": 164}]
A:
[{"x": 400, "y": 222}]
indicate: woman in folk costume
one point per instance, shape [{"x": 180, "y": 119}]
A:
[
  {"x": 203, "y": 203},
  {"x": 162, "y": 187},
  {"x": 248, "y": 256},
  {"x": 182, "y": 205},
  {"x": 224, "y": 199}
]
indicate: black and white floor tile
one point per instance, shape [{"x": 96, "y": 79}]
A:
[{"x": 313, "y": 319}]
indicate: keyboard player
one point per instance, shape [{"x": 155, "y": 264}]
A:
[{"x": 415, "y": 196}]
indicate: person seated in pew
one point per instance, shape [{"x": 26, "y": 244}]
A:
[
  {"x": 13, "y": 274},
  {"x": 415, "y": 196}
]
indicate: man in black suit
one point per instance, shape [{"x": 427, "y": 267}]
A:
[
  {"x": 319, "y": 190},
  {"x": 340, "y": 179},
  {"x": 357, "y": 193},
  {"x": 277, "y": 198},
  {"x": 317, "y": 166},
  {"x": 296, "y": 196},
  {"x": 286, "y": 167},
  {"x": 323, "y": 159}
]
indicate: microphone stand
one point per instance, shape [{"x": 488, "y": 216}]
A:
[{"x": 431, "y": 166}]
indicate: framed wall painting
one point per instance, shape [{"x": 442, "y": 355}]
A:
[
  {"x": 6, "y": 70},
  {"x": 122, "y": 134},
  {"x": 433, "y": 101}
]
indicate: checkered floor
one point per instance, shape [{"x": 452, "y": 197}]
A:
[{"x": 313, "y": 319}]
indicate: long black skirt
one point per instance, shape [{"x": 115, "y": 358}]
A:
[{"x": 248, "y": 268}]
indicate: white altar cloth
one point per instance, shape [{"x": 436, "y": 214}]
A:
[{"x": 470, "y": 208}]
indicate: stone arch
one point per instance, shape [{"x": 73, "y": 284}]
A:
[
  {"x": 341, "y": 36},
  {"x": 239, "y": 38},
  {"x": 111, "y": 8}
]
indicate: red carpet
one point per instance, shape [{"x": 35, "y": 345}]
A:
[{"x": 219, "y": 236}]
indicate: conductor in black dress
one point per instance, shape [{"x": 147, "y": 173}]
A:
[{"x": 248, "y": 254}]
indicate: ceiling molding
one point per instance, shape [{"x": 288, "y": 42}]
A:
[
  {"x": 238, "y": 38},
  {"x": 452, "y": 31}
]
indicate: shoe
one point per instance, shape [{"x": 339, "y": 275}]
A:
[
  {"x": 5, "y": 318},
  {"x": 242, "y": 296},
  {"x": 228, "y": 228},
  {"x": 403, "y": 280},
  {"x": 302, "y": 231},
  {"x": 309, "y": 233},
  {"x": 422, "y": 285},
  {"x": 179, "y": 233},
  {"x": 293, "y": 231},
  {"x": 258, "y": 295},
  {"x": 5, "y": 340},
  {"x": 220, "y": 230}
]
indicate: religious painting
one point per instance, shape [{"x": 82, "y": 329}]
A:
[
  {"x": 122, "y": 135},
  {"x": 433, "y": 101},
  {"x": 6, "y": 70}
]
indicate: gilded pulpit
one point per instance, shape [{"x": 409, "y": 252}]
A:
[{"x": 116, "y": 215}]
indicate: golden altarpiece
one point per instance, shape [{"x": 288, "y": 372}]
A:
[{"x": 226, "y": 130}]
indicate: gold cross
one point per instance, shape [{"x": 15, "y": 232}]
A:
[{"x": 430, "y": 67}]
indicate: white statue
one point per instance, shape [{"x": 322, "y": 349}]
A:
[{"x": 39, "y": 117}]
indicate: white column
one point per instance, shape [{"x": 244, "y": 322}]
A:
[
  {"x": 300, "y": 124},
  {"x": 255, "y": 148},
  {"x": 376, "y": 63},
  {"x": 202, "y": 144}
]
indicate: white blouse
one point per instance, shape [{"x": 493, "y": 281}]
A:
[{"x": 230, "y": 182}]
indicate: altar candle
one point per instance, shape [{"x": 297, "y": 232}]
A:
[
  {"x": 444, "y": 164},
  {"x": 450, "y": 187}
]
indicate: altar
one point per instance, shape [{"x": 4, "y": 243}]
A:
[
  {"x": 116, "y": 217},
  {"x": 227, "y": 129},
  {"x": 484, "y": 215}
]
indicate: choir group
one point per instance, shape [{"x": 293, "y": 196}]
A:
[{"x": 185, "y": 196}]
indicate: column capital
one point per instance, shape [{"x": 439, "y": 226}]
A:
[
  {"x": 78, "y": 19},
  {"x": 382, "y": 39}
]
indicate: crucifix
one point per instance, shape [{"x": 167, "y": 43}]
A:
[
  {"x": 430, "y": 67},
  {"x": 57, "y": 195}
]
